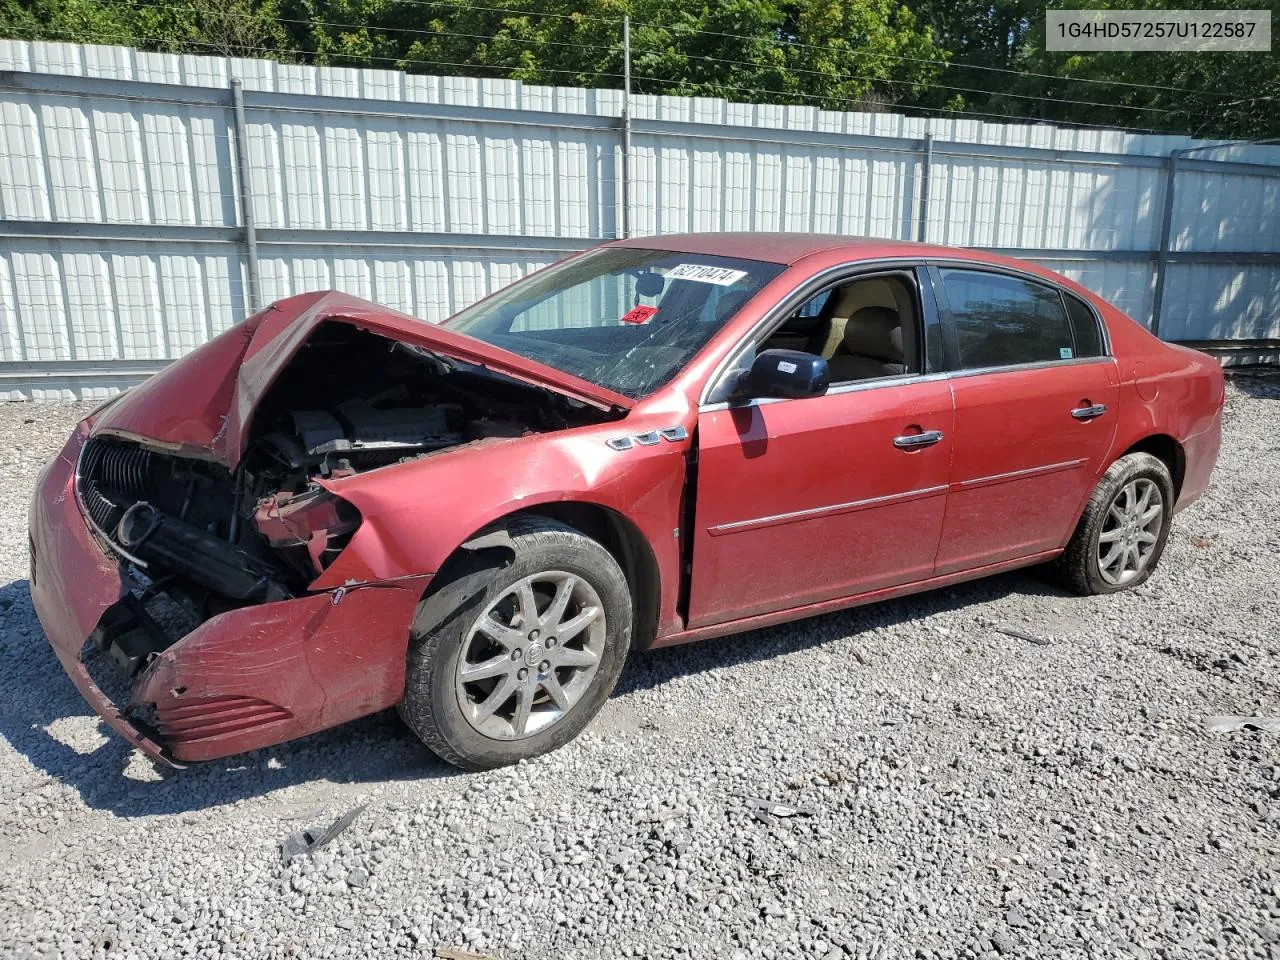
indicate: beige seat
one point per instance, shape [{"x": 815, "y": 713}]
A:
[
  {"x": 852, "y": 297},
  {"x": 871, "y": 346}
]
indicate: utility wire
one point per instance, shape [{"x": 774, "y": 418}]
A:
[
  {"x": 777, "y": 41},
  {"x": 876, "y": 105},
  {"x": 927, "y": 84},
  {"x": 931, "y": 84},
  {"x": 402, "y": 61},
  {"x": 615, "y": 48},
  {"x": 945, "y": 64},
  {"x": 880, "y": 107},
  {"x": 461, "y": 4}
]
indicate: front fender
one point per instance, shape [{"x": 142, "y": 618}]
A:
[{"x": 417, "y": 514}]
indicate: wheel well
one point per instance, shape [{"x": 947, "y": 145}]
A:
[
  {"x": 629, "y": 547},
  {"x": 612, "y": 530},
  {"x": 1163, "y": 447}
]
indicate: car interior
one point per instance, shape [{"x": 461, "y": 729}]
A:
[{"x": 864, "y": 329}]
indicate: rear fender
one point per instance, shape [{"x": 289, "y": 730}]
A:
[{"x": 1175, "y": 392}]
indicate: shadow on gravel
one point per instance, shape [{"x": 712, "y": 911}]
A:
[
  {"x": 374, "y": 749},
  {"x": 38, "y": 694},
  {"x": 1261, "y": 383},
  {"x": 659, "y": 666}
]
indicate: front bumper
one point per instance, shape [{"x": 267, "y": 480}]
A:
[
  {"x": 247, "y": 678},
  {"x": 73, "y": 582}
]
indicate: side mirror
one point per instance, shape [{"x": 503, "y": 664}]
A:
[{"x": 789, "y": 374}]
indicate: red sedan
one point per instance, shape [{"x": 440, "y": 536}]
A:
[{"x": 333, "y": 508}]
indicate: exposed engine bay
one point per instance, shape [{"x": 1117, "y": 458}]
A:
[{"x": 349, "y": 402}]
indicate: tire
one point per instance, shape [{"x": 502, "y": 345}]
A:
[
  {"x": 1107, "y": 522},
  {"x": 555, "y": 688}
]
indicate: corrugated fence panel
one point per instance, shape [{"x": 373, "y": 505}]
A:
[
  {"x": 1206, "y": 301},
  {"x": 707, "y": 185},
  {"x": 1226, "y": 212},
  {"x": 456, "y": 176},
  {"x": 432, "y": 289},
  {"x": 124, "y": 247},
  {"x": 1044, "y": 204},
  {"x": 24, "y": 193},
  {"x": 70, "y": 157}
]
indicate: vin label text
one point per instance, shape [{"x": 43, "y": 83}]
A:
[{"x": 1171, "y": 31}]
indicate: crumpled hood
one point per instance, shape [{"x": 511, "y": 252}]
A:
[{"x": 202, "y": 405}]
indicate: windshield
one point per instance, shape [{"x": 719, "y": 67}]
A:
[{"x": 621, "y": 317}]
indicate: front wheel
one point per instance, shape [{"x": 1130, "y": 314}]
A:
[
  {"x": 526, "y": 663},
  {"x": 1125, "y": 525}
]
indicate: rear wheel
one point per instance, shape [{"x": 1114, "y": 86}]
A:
[
  {"x": 529, "y": 659},
  {"x": 1125, "y": 525}
]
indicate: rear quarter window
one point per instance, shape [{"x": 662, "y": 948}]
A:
[
  {"x": 1085, "y": 327},
  {"x": 1001, "y": 321}
]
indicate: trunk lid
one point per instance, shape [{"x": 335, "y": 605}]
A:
[{"x": 202, "y": 405}]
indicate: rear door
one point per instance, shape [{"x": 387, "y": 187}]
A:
[{"x": 1035, "y": 414}]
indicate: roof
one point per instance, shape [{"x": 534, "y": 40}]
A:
[
  {"x": 784, "y": 248},
  {"x": 790, "y": 248}
]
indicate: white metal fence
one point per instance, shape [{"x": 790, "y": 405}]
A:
[{"x": 148, "y": 201}]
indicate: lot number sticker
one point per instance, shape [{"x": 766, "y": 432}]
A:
[{"x": 720, "y": 276}]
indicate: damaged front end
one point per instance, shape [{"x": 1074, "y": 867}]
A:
[
  {"x": 217, "y": 642},
  {"x": 180, "y": 526},
  {"x": 217, "y": 579}
]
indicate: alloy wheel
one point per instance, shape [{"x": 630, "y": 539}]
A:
[
  {"x": 531, "y": 655},
  {"x": 1130, "y": 531}
]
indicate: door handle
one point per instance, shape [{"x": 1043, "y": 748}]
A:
[
  {"x": 914, "y": 441},
  {"x": 1088, "y": 413}
]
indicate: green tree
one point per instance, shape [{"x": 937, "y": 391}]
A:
[
  {"x": 68, "y": 21},
  {"x": 230, "y": 28},
  {"x": 840, "y": 54},
  {"x": 236, "y": 28},
  {"x": 1219, "y": 95},
  {"x": 999, "y": 56}
]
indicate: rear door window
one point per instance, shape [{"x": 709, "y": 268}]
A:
[{"x": 1001, "y": 320}]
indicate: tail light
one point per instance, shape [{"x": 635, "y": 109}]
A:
[{"x": 316, "y": 519}]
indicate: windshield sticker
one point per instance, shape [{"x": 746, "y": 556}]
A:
[
  {"x": 1064, "y": 353},
  {"x": 720, "y": 276},
  {"x": 638, "y": 314}
]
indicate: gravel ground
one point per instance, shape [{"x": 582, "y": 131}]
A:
[{"x": 968, "y": 793}]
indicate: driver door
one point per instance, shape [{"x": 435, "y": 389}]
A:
[{"x": 808, "y": 500}]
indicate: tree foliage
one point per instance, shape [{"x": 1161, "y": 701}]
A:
[
  {"x": 984, "y": 57},
  {"x": 999, "y": 45}
]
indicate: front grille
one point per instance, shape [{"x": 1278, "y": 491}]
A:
[
  {"x": 214, "y": 716},
  {"x": 111, "y": 471},
  {"x": 102, "y": 511},
  {"x": 116, "y": 465}
]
